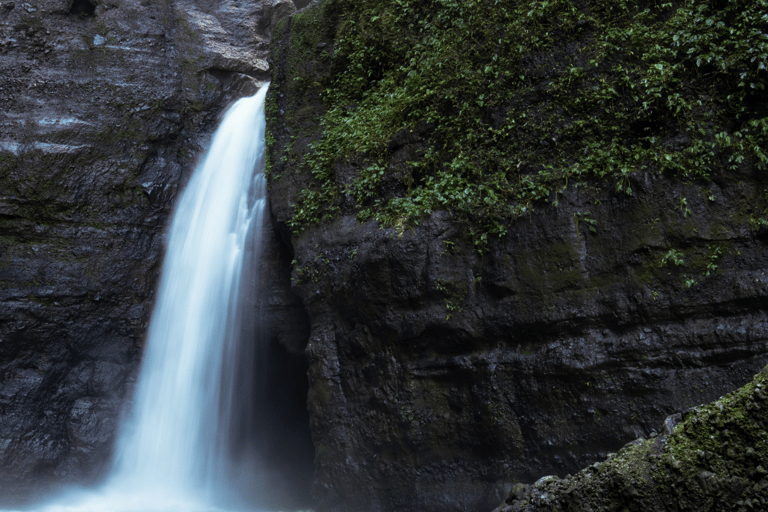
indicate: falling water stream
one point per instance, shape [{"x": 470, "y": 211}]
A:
[{"x": 174, "y": 452}]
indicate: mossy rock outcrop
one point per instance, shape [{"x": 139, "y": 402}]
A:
[{"x": 710, "y": 458}]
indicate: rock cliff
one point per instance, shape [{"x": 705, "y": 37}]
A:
[
  {"x": 452, "y": 352},
  {"x": 106, "y": 105},
  {"x": 443, "y": 370}
]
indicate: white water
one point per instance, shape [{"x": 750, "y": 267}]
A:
[{"x": 174, "y": 451}]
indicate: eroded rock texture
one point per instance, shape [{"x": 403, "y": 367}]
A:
[
  {"x": 439, "y": 377},
  {"x": 105, "y": 108}
]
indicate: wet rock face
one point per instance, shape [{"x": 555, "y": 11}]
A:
[
  {"x": 440, "y": 377},
  {"x": 105, "y": 108}
]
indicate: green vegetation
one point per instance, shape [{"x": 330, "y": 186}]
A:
[
  {"x": 454, "y": 296},
  {"x": 730, "y": 428},
  {"x": 714, "y": 258},
  {"x": 673, "y": 257},
  {"x": 704, "y": 260},
  {"x": 758, "y": 220},
  {"x": 586, "y": 218},
  {"x": 713, "y": 460},
  {"x": 515, "y": 99}
]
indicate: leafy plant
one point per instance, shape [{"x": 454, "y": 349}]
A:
[
  {"x": 673, "y": 256},
  {"x": 453, "y": 297},
  {"x": 714, "y": 258},
  {"x": 684, "y": 207},
  {"x": 585, "y": 217}
]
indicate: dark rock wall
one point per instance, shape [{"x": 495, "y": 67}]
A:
[
  {"x": 105, "y": 108},
  {"x": 439, "y": 377},
  {"x": 280, "y": 428}
]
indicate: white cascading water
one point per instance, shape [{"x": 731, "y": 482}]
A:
[{"x": 173, "y": 453}]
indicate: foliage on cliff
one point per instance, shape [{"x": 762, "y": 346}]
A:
[
  {"x": 715, "y": 459},
  {"x": 516, "y": 98}
]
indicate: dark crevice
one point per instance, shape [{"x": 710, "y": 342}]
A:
[
  {"x": 226, "y": 75},
  {"x": 269, "y": 439},
  {"x": 283, "y": 439},
  {"x": 300, "y": 4},
  {"x": 83, "y": 8}
]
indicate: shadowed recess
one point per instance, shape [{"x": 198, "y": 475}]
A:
[{"x": 82, "y": 8}]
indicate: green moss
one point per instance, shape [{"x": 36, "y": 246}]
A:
[
  {"x": 755, "y": 211},
  {"x": 735, "y": 420},
  {"x": 517, "y": 97},
  {"x": 7, "y": 165},
  {"x": 549, "y": 269},
  {"x": 713, "y": 460}
]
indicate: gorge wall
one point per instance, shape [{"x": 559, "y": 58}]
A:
[
  {"x": 448, "y": 362},
  {"x": 106, "y": 106},
  {"x": 454, "y": 348}
]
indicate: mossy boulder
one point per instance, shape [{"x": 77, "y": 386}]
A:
[{"x": 709, "y": 458}]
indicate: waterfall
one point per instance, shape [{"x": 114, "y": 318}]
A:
[{"x": 175, "y": 449}]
